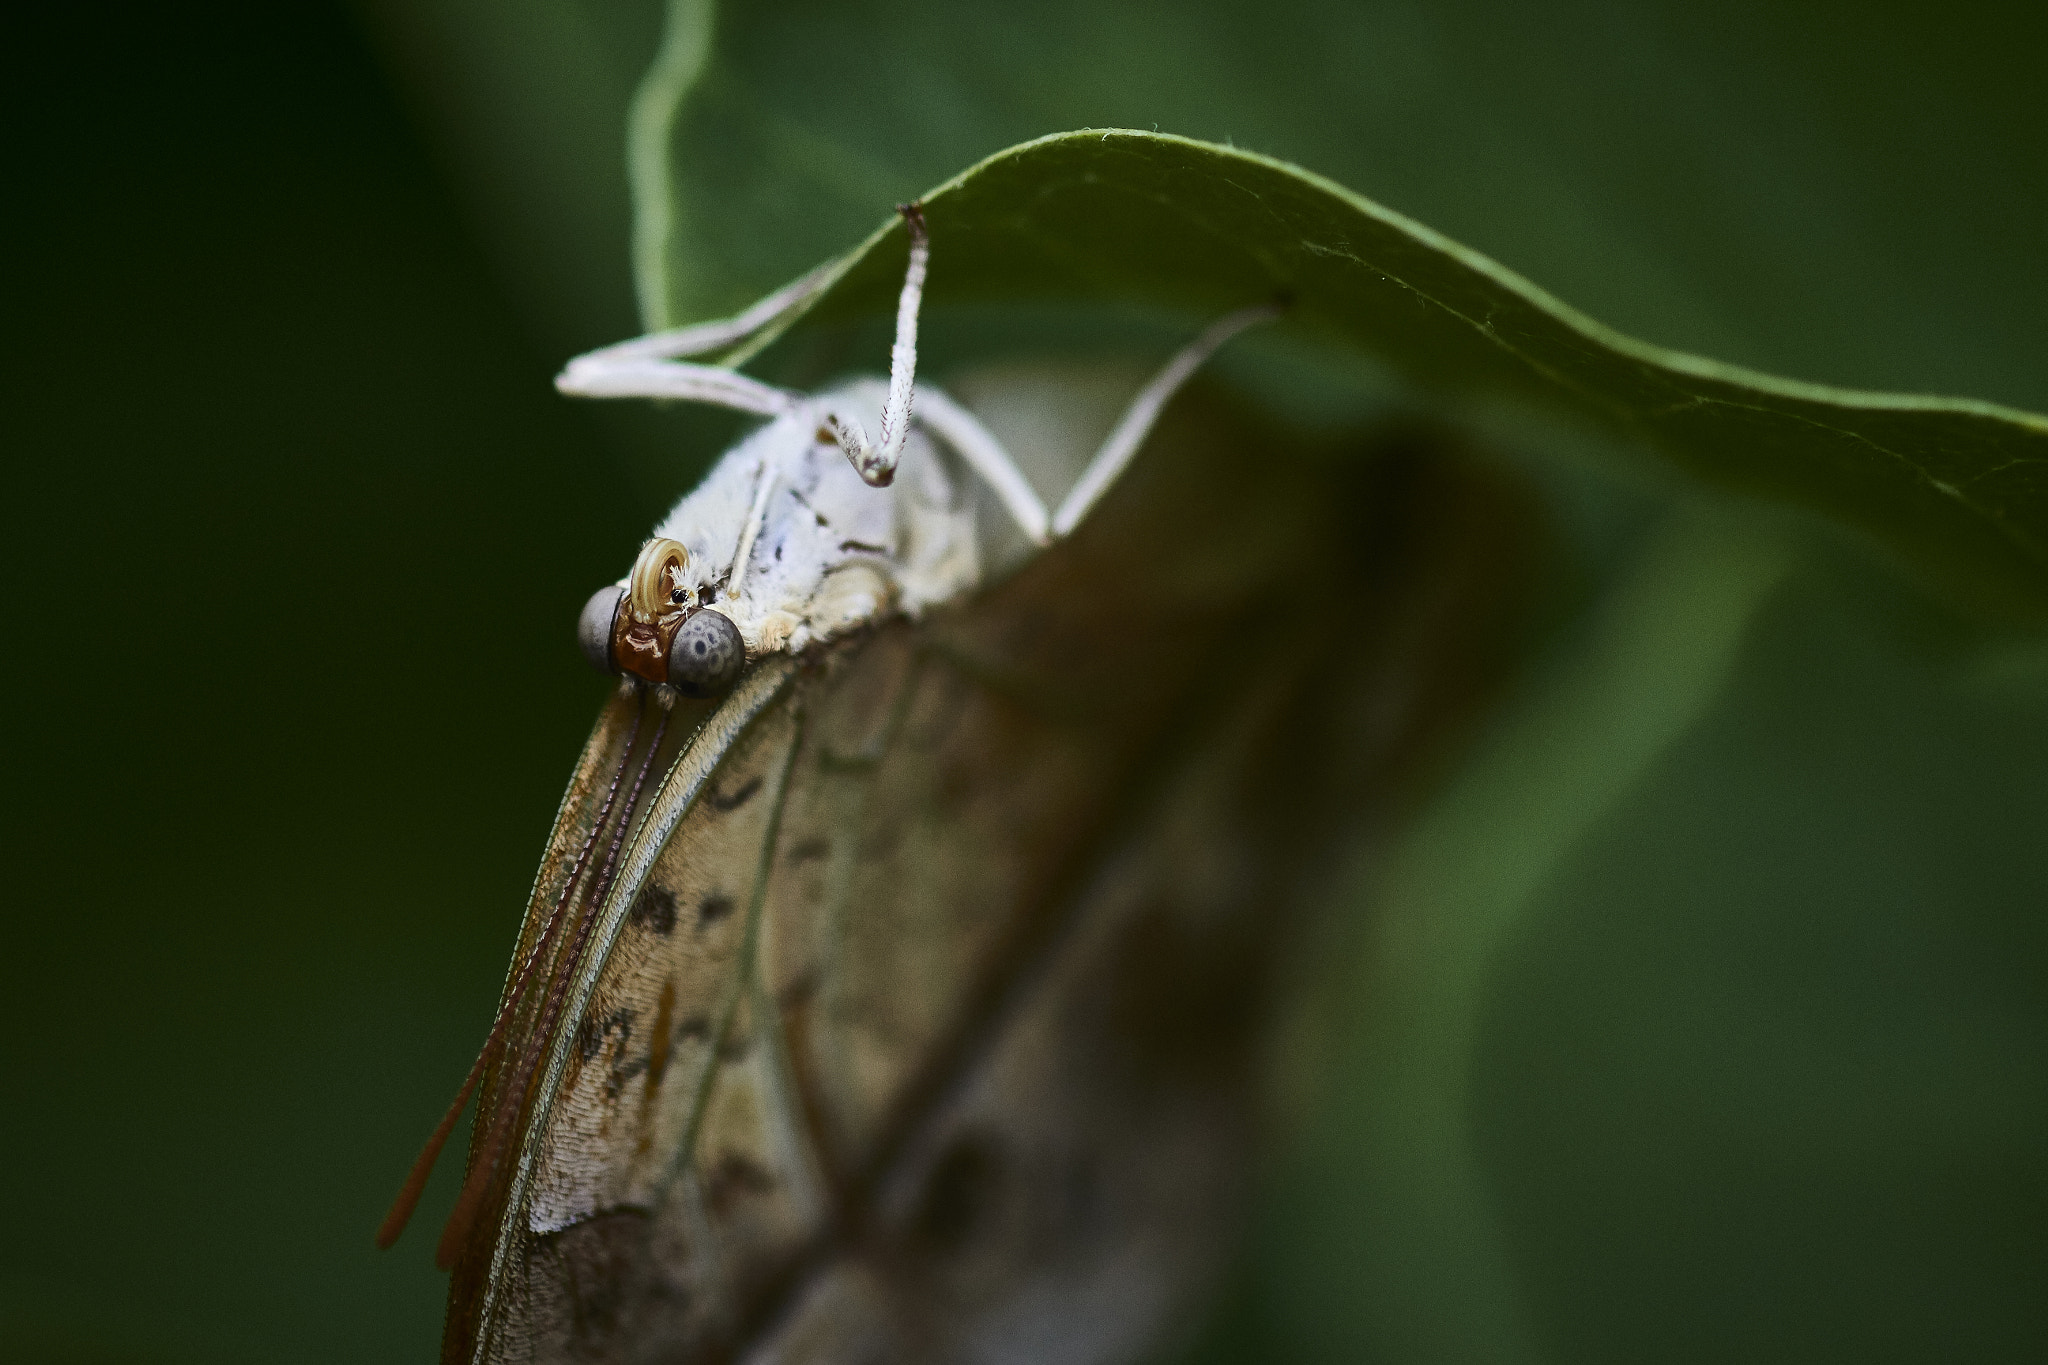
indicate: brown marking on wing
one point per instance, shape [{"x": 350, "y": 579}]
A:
[
  {"x": 745, "y": 793},
  {"x": 809, "y": 850},
  {"x": 659, "y": 1044},
  {"x": 735, "y": 1176}
]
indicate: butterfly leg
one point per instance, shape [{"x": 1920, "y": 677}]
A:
[
  {"x": 963, "y": 431},
  {"x": 600, "y": 376},
  {"x": 1131, "y": 429},
  {"x": 985, "y": 455},
  {"x": 876, "y": 463},
  {"x": 648, "y": 367},
  {"x": 703, "y": 337}
]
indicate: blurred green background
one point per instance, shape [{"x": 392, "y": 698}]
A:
[{"x": 1702, "y": 1015}]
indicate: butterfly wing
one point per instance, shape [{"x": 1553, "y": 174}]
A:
[
  {"x": 921, "y": 1022},
  {"x": 565, "y": 1153}
]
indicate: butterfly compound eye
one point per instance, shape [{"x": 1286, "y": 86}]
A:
[
  {"x": 706, "y": 656},
  {"x": 594, "y": 628}
]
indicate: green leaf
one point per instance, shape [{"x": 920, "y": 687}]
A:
[
  {"x": 1098, "y": 216},
  {"x": 1841, "y": 191}
]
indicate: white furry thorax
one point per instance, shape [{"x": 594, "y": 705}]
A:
[{"x": 832, "y": 553}]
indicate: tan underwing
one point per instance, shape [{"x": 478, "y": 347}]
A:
[{"x": 924, "y": 1017}]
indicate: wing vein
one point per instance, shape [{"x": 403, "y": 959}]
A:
[{"x": 756, "y": 900}]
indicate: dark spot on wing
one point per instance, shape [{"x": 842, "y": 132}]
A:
[
  {"x": 810, "y": 850},
  {"x": 737, "y": 799},
  {"x": 695, "y": 1027},
  {"x": 959, "y": 1195},
  {"x": 654, "y": 909},
  {"x": 714, "y": 909},
  {"x": 880, "y": 845},
  {"x": 863, "y": 546},
  {"x": 1182, "y": 994},
  {"x": 595, "y": 1029},
  {"x": 735, "y": 1176},
  {"x": 623, "y": 1071},
  {"x": 798, "y": 992}
]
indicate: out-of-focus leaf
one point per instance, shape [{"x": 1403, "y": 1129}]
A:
[
  {"x": 530, "y": 98},
  {"x": 1414, "y": 1212}
]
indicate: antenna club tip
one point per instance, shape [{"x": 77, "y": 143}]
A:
[{"x": 913, "y": 219}]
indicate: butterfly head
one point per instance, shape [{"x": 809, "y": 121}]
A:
[{"x": 658, "y": 627}]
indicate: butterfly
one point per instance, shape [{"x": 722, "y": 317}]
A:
[{"x": 894, "y": 982}]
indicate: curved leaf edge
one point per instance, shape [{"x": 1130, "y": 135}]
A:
[{"x": 2025, "y": 543}]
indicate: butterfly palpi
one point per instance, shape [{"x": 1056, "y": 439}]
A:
[{"x": 894, "y": 983}]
